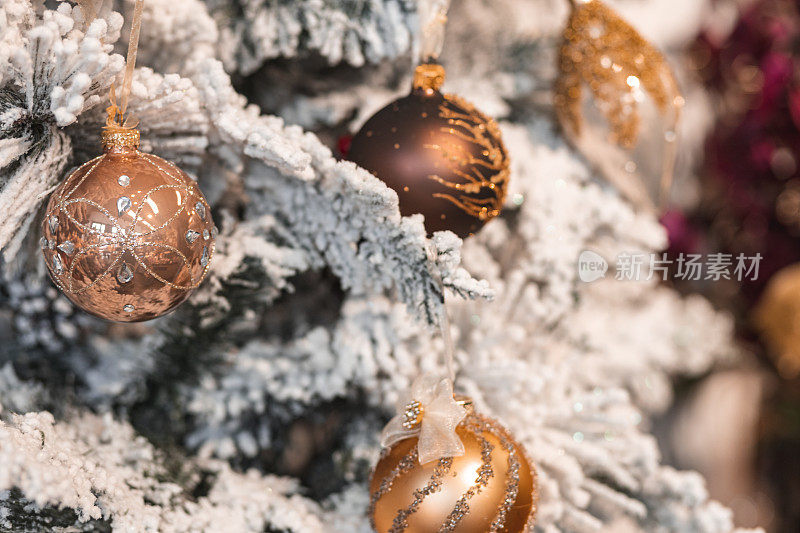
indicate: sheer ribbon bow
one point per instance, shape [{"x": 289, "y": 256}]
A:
[{"x": 429, "y": 412}]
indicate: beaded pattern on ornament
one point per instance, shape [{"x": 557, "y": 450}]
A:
[{"x": 126, "y": 239}]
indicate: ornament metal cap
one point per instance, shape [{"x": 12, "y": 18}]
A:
[
  {"x": 428, "y": 77},
  {"x": 120, "y": 138}
]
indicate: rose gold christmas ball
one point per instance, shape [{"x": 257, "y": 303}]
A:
[
  {"x": 128, "y": 235},
  {"x": 492, "y": 487}
]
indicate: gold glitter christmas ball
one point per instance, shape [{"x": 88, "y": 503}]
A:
[
  {"x": 128, "y": 235},
  {"x": 491, "y": 488},
  {"x": 443, "y": 158}
]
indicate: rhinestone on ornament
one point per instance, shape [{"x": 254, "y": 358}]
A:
[
  {"x": 125, "y": 274},
  {"x": 67, "y": 247},
  {"x": 123, "y": 204},
  {"x": 204, "y": 258},
  {"x": 412, "y": 415},
  {"x": 53, "y": 222},
  {"x": 58, "y": 267},
  {"x": 191, "y": 236},
  {"x": 124, "y": 180},
  {"x": 128, "y": 308},
  {"x": 200, "y": 209},
  {"x": 206, "y": 235}
]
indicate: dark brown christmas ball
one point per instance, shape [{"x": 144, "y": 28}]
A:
[{"x": 444, "y": 158}]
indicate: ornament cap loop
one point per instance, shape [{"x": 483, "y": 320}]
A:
[
  {"x": 120, "y": 138},
  {"x": 428, "y": 77}
]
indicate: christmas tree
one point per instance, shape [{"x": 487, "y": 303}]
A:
[{"x": 258, "y": 404}]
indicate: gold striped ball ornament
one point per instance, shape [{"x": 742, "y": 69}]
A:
[
  {"x": 491, "y": 488},
  {"x": 128, "y": 235}
]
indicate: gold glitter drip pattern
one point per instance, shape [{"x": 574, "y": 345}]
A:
[
  {"x": 603, "y": 51},
  {"x": 477, "y": 425},
  {"x": 468, "y": 124}
]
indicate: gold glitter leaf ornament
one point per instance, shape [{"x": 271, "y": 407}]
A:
[{"x": 605, "y": 53}]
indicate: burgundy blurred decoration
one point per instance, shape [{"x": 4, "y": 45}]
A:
[
  {"x": 751, "y": 199},
  {"x": 343, "y": 145},
  {"x": 684, "y": 237}
]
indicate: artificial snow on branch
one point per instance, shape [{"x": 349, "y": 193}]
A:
[
  {"x": 104, "y": 472},
  {"x": 258, "y": 146},
  {"x": 50, "y": 72},
  {"x": 253, "y": 31}
]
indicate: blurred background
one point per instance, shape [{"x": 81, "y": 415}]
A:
[{"x": 741, "y": 428}]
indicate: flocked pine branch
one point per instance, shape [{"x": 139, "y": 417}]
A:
[
  {"x": 578, "y": 395},
  {"x": 105, "y": 473},
  {"x": 253, "y": 31},
  {"x": 51, "y": 72}
]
